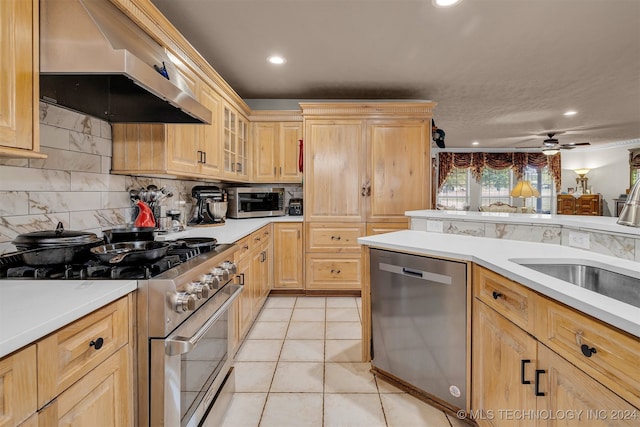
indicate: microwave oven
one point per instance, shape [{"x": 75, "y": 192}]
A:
[{"x": 255, "y": 202}]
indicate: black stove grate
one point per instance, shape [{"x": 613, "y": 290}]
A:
[{"x": 12, "y": 266}]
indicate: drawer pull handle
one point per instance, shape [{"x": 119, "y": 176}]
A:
[
  {"x": 335, "y": 237},
  {"x": 524, "y": 362},
  {"x": 587, "y": 351},
  {"x": 335, "y": 271},
  {"x": 97, "y": 343},
  {"x": 538, "y": 373},
  {"x": 496, "y": 294},
  {"x": 245, "y": 247}
]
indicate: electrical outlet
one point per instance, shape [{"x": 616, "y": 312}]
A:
[
  {"x": 579, "y": 240},
  {"x": 435, "y": 226}
]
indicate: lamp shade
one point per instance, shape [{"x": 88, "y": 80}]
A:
[
  {"x": 524, "y": 189},
  {"x": 582, "y": 172},
  {"x": 550, "y": 151}
]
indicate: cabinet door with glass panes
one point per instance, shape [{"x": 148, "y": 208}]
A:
[{"x": 235, "y": 148}]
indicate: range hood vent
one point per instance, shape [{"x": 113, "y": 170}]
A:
[{"x": 96, "y": 60}]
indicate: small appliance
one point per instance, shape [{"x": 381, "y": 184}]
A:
[
  {"x": 210, "y": 207},
  {"x": 295, "y": 207},
  {"x": 255, "y": 202}
]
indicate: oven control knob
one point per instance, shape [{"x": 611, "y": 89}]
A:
[
  {"x": 184, "y": 301},
  {"x": 213, "y": 283},
  {"x": 220, "y": 273},
  {"x": 199, "y": 289},
  {"x": 206, "y": 278},
  {"x": 229, "y": 266}
]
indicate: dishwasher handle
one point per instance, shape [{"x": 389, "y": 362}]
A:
[{"x": 415, "y": 273}]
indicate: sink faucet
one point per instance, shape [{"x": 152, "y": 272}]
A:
[{"x": 630, "y": 214}]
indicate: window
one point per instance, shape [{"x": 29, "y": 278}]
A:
[
  {"x": 495, "y": 186},
  {"x": 454, "y": 193},
  {"x": 542, "y": 181}
]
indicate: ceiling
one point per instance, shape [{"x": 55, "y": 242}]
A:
[{"x": 502, "y": 72}]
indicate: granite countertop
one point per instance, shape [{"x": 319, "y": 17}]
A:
[
  {"x": 598, "y": 223},
  {"x": 497, "y": 255},
  {"x": 31, "y": 309}
]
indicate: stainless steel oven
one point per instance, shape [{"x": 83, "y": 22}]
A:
[{"x": 184, "y": 339}]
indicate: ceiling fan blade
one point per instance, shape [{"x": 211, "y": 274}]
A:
[{"x": 574, "y": 144}]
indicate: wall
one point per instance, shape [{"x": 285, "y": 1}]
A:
[
  {"x": 609, "y": 173},
  {"x": 73, "y": 185}
]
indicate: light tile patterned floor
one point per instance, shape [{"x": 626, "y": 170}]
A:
[{"x": 300, "y": 366}]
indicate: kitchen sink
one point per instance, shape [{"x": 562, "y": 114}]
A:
[{"x": 622, "y": 285}]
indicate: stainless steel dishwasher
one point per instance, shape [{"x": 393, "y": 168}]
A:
[{"x": 418, "y": 311}]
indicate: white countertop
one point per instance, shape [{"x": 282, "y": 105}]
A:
[
  {"x": 231, "y": 231},
  {"x": 31, "y": 309},
  {"x": 496, "y": 255},
  {"x": 597, "y": 223}
]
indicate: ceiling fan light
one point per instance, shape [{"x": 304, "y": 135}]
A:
[
  {"x": 550, "y": 151},
  {"x": 445, "y": 3}
]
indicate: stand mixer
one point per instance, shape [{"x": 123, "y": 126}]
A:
[{"x": 210, "y": 207}]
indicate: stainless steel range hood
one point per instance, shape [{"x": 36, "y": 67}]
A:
[{"x": 96, "y": 60}]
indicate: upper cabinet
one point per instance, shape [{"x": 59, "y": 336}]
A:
[
  {"x": 19, "y": 80},
  {"x": 276, "y": 137},
  {"x": 235, "y": 145},
  {"x": 366, "y": 162}
]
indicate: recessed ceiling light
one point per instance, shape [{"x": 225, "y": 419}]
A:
[
  {"x": 570, "y": 113},
  {"x": 445, "y": 3},
  {"x": 475, "y": 143},
  {"x": 276, "y": 59}
]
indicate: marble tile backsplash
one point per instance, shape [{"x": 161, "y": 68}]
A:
[
  {"x": 612, "y": 244},
  {"x": 73, "y": 184}
]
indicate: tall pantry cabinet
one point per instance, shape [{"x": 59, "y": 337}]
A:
[{"x": 365, "y": 165}]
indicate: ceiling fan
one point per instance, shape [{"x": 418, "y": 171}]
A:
[{"x": 551, "y": 145}]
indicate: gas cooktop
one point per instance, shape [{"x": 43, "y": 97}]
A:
[{"x": 13, "y": 267}]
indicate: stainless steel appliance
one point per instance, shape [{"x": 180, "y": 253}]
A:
[
  {"x": 96, "y": 60},
  {"x": 630, "y": 214},
  {"x": 255, "y": 202},
  {"x": 210, "y": 207},
  {"x": 183, "y": 325},
  {"x": 419, "y": 325}
]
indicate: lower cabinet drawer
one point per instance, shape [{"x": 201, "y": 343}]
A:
[
  {"x": 607, "y": 354},
  {"x": 68, "y": 354},
  {"x": 333, "y": 271},
  {"x": 18, "y": 387},
  {"x": 324, "y": 237},
  {"x": 508, "y": 298}
]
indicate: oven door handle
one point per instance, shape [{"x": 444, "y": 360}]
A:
[{"x": 177, "y": 345}]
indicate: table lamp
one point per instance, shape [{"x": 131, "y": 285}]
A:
[
  {"x": 582, "y": 179},
  {"x": 524, "y": 190}
]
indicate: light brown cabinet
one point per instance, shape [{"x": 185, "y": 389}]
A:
[
  {"x": 74, "y": 376},
  {"x": 587, "y": 204},
  {"x": 529, "y": 358},
  {"x": 275, "y": 151},
  {"x": 235, "y": 145},
  {"x": 255, "y": 264},
  {"x": 188, "y": 150},
  {"x": 19, "y": 388},
  {"x": 364, "y": 163},
  {"x": 19, "y": 80},
  {"x": 288, "y": 250}
]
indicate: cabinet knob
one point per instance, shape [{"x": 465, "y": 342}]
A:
[
  {"x": 97, "y": 343},
  {"x": 587, "y": 351},
  {"x": 335, "y": 237},
  {"x": 335, "y": 271},
  {"x": 496, "y": 294}
]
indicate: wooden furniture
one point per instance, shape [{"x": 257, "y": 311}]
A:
[
  {"x": 533, "y": 353},
  {"x": 255, "y": 264},
  {"x": 275, "y": 141},
  {"x": 19, "y": 80},
  {"x": 288, "y": 250},
  {"x": 235, "y": 145},
  {"x": 365, "y": 163},
  {"x": 587, "y": 204},
  {"x": 84, "y": 373}
]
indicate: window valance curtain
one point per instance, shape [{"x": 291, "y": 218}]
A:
[{"x": 478, "y": 161}]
